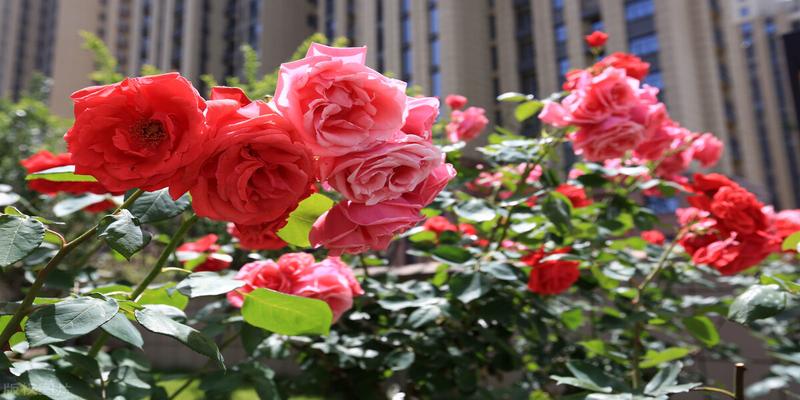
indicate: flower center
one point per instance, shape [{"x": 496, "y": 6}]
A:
[{"x": 149, "y": 132}]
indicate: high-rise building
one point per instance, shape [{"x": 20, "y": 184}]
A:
[{"x": 721, "y": 64}]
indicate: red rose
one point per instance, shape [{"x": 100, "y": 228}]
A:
[
  {"x": 439, "y": 224},
  {"x": 139, "y": 133},
  {"x": 786, "y": 223},
  {"x": 44, "y": 160},
  {"x": 467, "y": 229},
  {"x": 455, "y": 101},
  {"x": 734, "y": 253},
  {"x": 206, "y": 246},
  {"x": 553, "y": 276},
  {"x": 633, "y": 66},
  {"x": 596, "y": 39},
  {"x": 257, "y": 172},
  {"x": 738, "y": 210},
  {"x": 575, "y": 194},
  {"x": 257, "y": 237},
  {"x": 654, "y": 237}
]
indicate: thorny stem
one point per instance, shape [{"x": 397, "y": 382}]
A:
[{"x": 41, "y": 277}]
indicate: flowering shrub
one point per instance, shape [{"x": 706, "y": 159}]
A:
[{"x": 542, "y": 284}]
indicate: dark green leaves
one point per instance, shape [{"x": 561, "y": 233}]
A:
[
  {"x": 60, "y": 174},
  {"x": 586, "y": 376},
  {"x": 557, "y": 209},
  {"x": 301, "y": 219},
  {"x": 757, "y": 302},
  {"x": 654, "y": 358},
  {"x": 665, "y": 382},
  {"x": 121, "y": 328},
  {"x": 68, "y": 319},
  {"x": 452, "y": 254},
  {"x": 74, "y": 204},
  {"x": 123, "y": 233},
  {"x": 60, "y": 385},
  {"x": 468, "y": 287},
  {"x": 399, "y": 360},
  {"x": 702, "y": 329},
  {"x": 475, "y": 210},
  {"x": 158, "y": 206},
  {"x": 157, "y": 322},
  {"x": 286, "y": 314},
  {"x": 207, "y": 284},
  {"x": 19, "y": 236}
]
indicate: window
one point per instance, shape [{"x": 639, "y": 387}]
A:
[
  {"x": 561, "y": 33},
  {"x": 642, "y": 45},
  {"x": 434, "y": 47},
  {"x": 637, "y": 9},
  {"x": 563, "y": 67},
  {"x": 558, "y": 4}
]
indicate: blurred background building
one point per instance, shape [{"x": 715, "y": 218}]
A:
[{"x": 725, "y": 66}]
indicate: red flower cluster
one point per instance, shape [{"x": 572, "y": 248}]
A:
[
  {"x": 206, "y": 247},
  {"x": 330, "y": 280},
  {"x": 551, "y": 276},
  {"x": 726, "y": 227},
  {"x": 333, "y": 119},
  {"x": 576, "y": 195}
]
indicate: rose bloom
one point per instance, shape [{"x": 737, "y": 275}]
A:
[
  {"x": 291, "y": 263},
  {"x": 427, "y": 191},
  {"x": 205, "y": 246},
  {"x": 382, "y": 173},
  {"x": 439, "y": 224},
  {"x": 634, "y": 66},
  {"x": 738, "y": 210},
  {"x": 596, "y": 39},
  {"x": 575, "y": 194},
  {"x": 553, "y": 113},
  {"x": 653, "y": 237},
  {"x": 264, "y": 274},
  {"x": 786, "y": 223},
  {"x": 139, "y": 133},
  {"x": 331, "y": 281},
  {"x": 257, "y": 172},
  {"x": 466, "y": 125},
  {"x": 707, "y": 149},
  {"x": 553, "y": 276},
  {"x": 455, "y": 101},
  {"x": 337, "y": 104},
  {"x": 257, "y": 237},
  {"x": 467, "y": 229},
  {"x": 735, "y": 253},
  {"x": 610, "y": 139},
  {"x": 422, "y": 113},
  {"x": 44, "y": 160}
]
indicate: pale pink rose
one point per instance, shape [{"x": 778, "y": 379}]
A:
[
  {"x": 466, "y": 125},
  {"x": 648, "y": 94},
  {"x": 610, "y": 139},
  {"x": 329, "y": 281},
  {"x": 344, "y": 270},
  {"x": 555, "y": 114},
  {"x": 422, "y": 113},
  {"x": 584, "y": 107},
  {"x": 455, "y": 101},
  {"x": 707, "y": 149},
  {"x": 381, "y": 173},
  {"x": 336, "y": 103},
  {"x": 610, "y": 93},
  {"x": 652, "y": 116},
  {"x": 354, "y": 228},
  {"x": 290, "y": 263},
  {"x": 426, "y": 191},
  {"x": 264, "y": 274},
  {"x": 653, "y": 147},
  {"x": 786, "y": 222}
]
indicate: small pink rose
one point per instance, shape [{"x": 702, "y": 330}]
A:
[
  {"x": 330, "y": 281},
  {"x": 466, "y": 125},
  {"x": 707, "y": 149},
  {"x": 610, "y": 139},
  {"x": 422, "y": 113},
  {"x": 455, "y": 101}
]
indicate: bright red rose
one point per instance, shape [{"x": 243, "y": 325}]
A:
[
  {"x": 552, "y": 276},
  {"x": 257, "y": 171},
  {"x": 786, "y": 223},
  {"x": 575, "y": 194},
  {"x": 738, "y": 210},
  {"x": 633, "y": 66},
  {"x": 596, "y": 39},
  {"x": 257, "y": 237},
  {"x": 139, "y": 133},
  {"x": 205, "y": 247},
  {"x": 439, "y": 224},
  {"x": 654, "y": 237},
  {"x": 735, "y": 253},
  {"x": 467, "y": 229},
  {"x": 43, "y": 160},
  {"x": 455, "y": 101}
]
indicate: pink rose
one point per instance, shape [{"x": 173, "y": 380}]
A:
[
  {"x": 466, "y": 125},
  {"x": 291, "y": 263},
  {"x": 354, "y": 228},
  {"x": 609, "y": 93},
  {"x": 264, "y": 274},
  {"x": 610, "y": 139},
  {"x": 381, "y": 173},
  {"x": 653, "y": 147},
  {"x": 330, "y": 281},
  {"x": 422, "y": 113},
  {"x": 455, "y": 101},
  {"x": 707, "y": 149},
  {"x": 555, "y": 114},
  {"x": 337, "y": 104},
  {"x": 255, "y": 161},
  {"x": 426, "y": 191},
  {"x": 786, "y": 223}
]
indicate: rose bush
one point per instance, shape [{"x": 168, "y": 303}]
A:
[{"x": 537, "y": 280}]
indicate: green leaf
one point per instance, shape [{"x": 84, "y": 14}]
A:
[
  {"x": 557, "y": 209},
  {"x": 166, "y": 294},
  {"x": 784, "y": 282},
  {"x": 757, "y": 302},
  {"x": 4, "y": 362},
  {"x": 664, "y": 382},
  {"x": 791, "y": 242},
  {"x": 586, "y": 376},
  {"x": 207, "y": 284},
  {"x": 654, "y": 358},
  {"x": 60, "y": 174},
  {"x": 158, "y": 206},
  {"x": 121, "y": 328},
  {"x": 124, "y": 382},
  {"x": 60, "y": 385},
  {"x": 123, "y": 233},
  {"x": 500, "y": 270},
  {"x": 156, "y": 322},
  {"x": 527, "y": 109},
  {"x": 302, "y": 219},
  {"x": 74, "y": 204},
  {"x": 68, "y": 319},
  {"x": 475, "y": 210},
  {"x": 572, "y": 319},
  {"x": 702, "y": 329},
  {"x": 452, "y": 254},
  {"x": 286, "y": 314},
  {"x": 399, "y": 360},
  {"x": 513, "y": 97},
  {"x": 262, "y": 378},
  {"x": 468, "y": 287},
  {"x": 19, "y": 236},
  {"x": 424, "y": 315}
]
